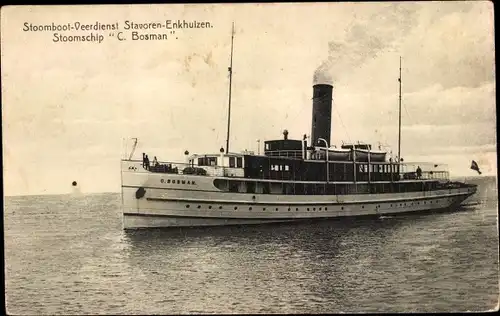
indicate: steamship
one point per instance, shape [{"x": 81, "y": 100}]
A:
[{"x": 294, "y": 179}]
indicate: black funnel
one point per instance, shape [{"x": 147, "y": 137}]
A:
[{"x": 322, "y": 114}]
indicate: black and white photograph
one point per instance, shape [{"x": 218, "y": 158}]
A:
[{"x": 250, "y": 158}]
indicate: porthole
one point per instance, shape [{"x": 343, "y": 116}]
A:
[
  {"x": 220, "y": 207},
  {"x": 296, "y": 209},
  {"x": 168, "y": 180},
  {"x": 250, "y": 208},
  {"x": 264, "y": 208},
  {"x": 326, "y": 208},
  {"x": 199, "y": 206},
  {"x": 320, "y": 208},
  {"x": 314, "y": 209},
  {"x": 235, "y": 207},
  {"x": 289, "y": 209},
  {"x": 362, "y": 206},
  {"x": 187, "y": 206},
  {"x": 210, "y": 207},
  {"x": 308, "y": 209},
  {"x": 276, "y": 208}
]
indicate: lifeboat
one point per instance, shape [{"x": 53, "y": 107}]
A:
[
  {"x": 362, "y": 150},
  {"x": 334, "y": 154},
  {"x": 375, "y": 155}
]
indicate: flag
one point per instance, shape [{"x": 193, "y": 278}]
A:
[{"x": 474, "y": 166}]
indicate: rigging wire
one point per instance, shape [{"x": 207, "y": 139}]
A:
[
  {"x": 407, "y": 113},
  {"x": 342, "y": 122}
]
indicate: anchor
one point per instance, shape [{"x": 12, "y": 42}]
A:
[{"x": 140, "y": 193}]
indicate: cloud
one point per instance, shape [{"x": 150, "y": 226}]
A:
[
  {"x": 375, "y": 28},
  {"x": 455, "y": 43},
  {"x": 457, "y": 116}
]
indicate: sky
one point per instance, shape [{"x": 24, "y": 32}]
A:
[{"x": 69, "y": 110}]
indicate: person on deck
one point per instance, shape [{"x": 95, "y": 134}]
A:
[
  {"x": 419, "y": 172},
  {"x": 147, "y": 162},
  {"x": 155, "y": 162}
]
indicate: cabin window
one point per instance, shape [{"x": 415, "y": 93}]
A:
[
  {"x": 233, "y": 186},
  {"x": 320, "y": 189},
  {"x": 239, "y": 162},
  {"x": 265, "y": 188},
  {"x": 207, "y": 161},
  {"x": 250, "y": 187},
  {"x": 212, "y": 161},
  {"x": 231, "y": 162},
  {"x": 267, "y": 146},
  {"x": 287, "y": 168},
  {"x": 375, "y": 168}
]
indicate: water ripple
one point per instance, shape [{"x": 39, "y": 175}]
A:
[{"x": 71, "y": 256}]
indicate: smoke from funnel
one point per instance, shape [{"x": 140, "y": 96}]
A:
[
  {"x": 322, "y": 74},
  {"x": 380, "y": 27}
]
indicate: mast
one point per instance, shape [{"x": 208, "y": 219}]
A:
[
  {"x": 230, "y": 69},
  {"x": 399, "y": 138}
]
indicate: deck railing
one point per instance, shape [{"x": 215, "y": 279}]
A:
[
  {"x": 284, "y": 153},
  {"x": 407, "y": 171},
  {"x": 425, "y": 175}
]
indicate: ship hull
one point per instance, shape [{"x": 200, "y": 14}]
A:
[
  {"x": 173, "y": 200},
  {"x": 134, "y": 222}
]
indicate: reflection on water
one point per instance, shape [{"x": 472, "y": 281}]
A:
[{"x": 70, "y": 255}]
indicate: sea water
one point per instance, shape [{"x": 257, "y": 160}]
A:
[{"x": 69, "y": 254}]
